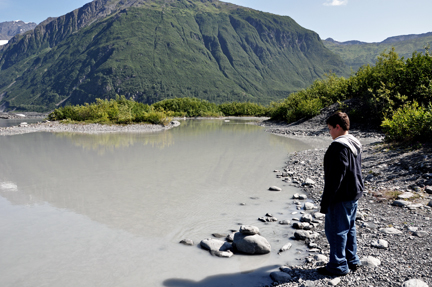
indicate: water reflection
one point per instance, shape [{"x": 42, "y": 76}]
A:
[{"x": 109, "y": 142}]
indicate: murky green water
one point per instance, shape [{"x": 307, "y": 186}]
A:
[{"x": 110, "y": 209}]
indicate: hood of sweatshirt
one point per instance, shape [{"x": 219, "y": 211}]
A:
[{"x": 351, "y": 142}]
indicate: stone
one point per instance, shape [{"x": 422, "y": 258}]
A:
[
  {"x": 309, "y": 206},
  {"x": 223, "y": 254},
  {"x": 230, "y": 237},
  {"x": 249, "y": 230},
  {"x": 275, "y": 188},
  {"x": 334, "y": 281},
  {"x": 401, "y": 203},
  {"x": 370, "y": 262},
  {"x": 267, "y": 219},
  {"x": 415, "y": 206},
  {"x": 215, "y": 245},
  {"x": 220, "y": 235},
  {"x": 430, "y": 203},
  {"x": 187, "y": 242},
  {"x": 420, "y": 233},
  {"x": 319, "y": 215},
  {"x": 175, "y": 123},
  {"x": 390, "y": 230},
  {"x": 320, "y": 258},
  {"x": 303, "y": 235},
  {"x": 309, "y": 182},
  {"x": 280, "y": 277},
  {"x": 306, "y": 218},
  {"x": 284, "y": 222},
  {"x": 301, "y": 225},
  {"x": 406, "y": 195},
  {"x": 251, "y": 244},
  {"x": 285, "y": 247},
  {"x": 414, "y": 283},
  {"x": 428, "y": 189},
  {"x": 380, "y": 244}
]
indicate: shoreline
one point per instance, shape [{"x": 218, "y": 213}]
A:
[
  {"x": 405, "y": 223},
  {"x": 57, "y": 127}
]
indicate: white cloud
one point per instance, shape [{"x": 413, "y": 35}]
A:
[{"x": 336, "y": 2}]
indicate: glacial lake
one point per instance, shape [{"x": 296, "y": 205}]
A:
[{"x": 110, "y": 209}]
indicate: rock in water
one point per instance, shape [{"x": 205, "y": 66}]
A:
[
  {"x": 187, "y": 242},
  {"x": 285, "y": 248},
  {"x": 309, "y": 206},
  {"x": 275, "y": 188},
  {"x": 249, "y": 229},
  {"x": 215, "y": 245},
  {"x": 251, "y": 244}
]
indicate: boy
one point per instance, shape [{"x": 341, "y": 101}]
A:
[{"x": 343, "y": 186}]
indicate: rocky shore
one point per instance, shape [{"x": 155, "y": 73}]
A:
[
  {"x": 48, "y": 126},
  {"x": 394, "y": 221}
]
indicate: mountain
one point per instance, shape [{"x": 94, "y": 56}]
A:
[
  {"x": 356, "y": 54},
  {"x": 12, "y": 28},
  {"x": 149, "y": 50}
]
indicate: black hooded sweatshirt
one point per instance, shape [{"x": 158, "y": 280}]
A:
[{"x": 342, "y": 172}]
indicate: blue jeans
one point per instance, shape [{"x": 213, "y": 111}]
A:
[{"x": 341, "y": 234}]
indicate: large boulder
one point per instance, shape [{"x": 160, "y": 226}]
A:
[{"x": 251, "y": 244}]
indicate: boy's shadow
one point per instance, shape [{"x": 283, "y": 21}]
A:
[{"x": 258, "y": 277}]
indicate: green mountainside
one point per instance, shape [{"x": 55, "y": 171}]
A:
[
  {"x": 153, "y": 50},
  {"x": 356, "y": 54}
]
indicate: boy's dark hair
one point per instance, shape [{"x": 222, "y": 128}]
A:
[{"x": 339, "y": 118}]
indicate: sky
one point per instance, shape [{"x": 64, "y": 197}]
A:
[{"x": 342, "y": 20}]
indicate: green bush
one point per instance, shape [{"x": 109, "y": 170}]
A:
[
  {"x": 188, "y": 107},
  {"x": 119, "y": 111},
  {"x": 392, "y": 82},
  {"x": 244, "y": 109},
  {"x": 308, "y": 102},
  {"x": 411, "y": 122}
]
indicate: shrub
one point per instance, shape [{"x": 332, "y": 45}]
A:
[
  {"x": 308, "y": 102},
  {"x": 411, "y": 122},
  {"x": 120, "y": 111},
  {"x": 244, "y": 109},
  {"x": 188, "y": 107}
]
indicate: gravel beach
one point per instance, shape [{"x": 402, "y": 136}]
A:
[
  {"x": 394, "y": 220},
  {"x": 83, "y": 128}
]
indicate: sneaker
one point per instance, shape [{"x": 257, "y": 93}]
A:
[
  {"x": 354, "y": 267},
  {"x": 324, "y": 271}
]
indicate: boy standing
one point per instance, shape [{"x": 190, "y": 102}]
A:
[{"x": 343, "y": 186}]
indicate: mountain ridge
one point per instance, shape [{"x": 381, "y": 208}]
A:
[
  {"x": 9, "y": 29},
  {"x": 356, "y": 54},
  {"x": 152, "y": 50}
]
